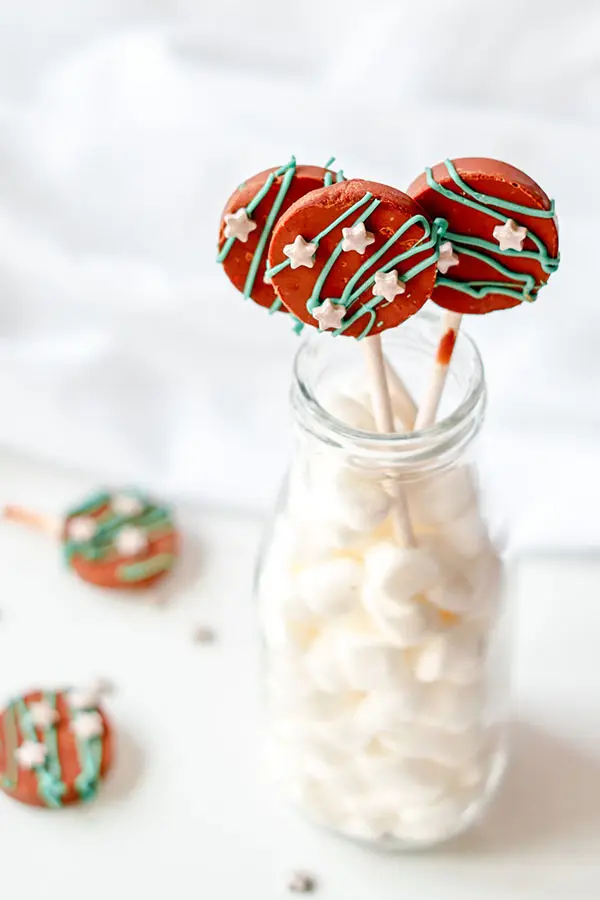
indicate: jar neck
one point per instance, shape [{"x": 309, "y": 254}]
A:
[{"x": 325, "y": 364}]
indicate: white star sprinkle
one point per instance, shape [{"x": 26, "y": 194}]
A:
[
  {"x": 31, "y": 754},
  {"x": 82, "y": 529},
  {"x": 126, "y": 505},
  {"x": 42, "y": 715},
  {"x": 447, "y": 258},
  {"x": 238, "y": 225},
  {"x": 388, "y": 285},
  {"x": 87, "y": 725},
  {"x": 130, "y": 541},
  {"x": 510, "y": 236},
  {"x": 300, "y": 253},
  {"x": 329, "y": 315},
  {"x": 356, "y": 238}
]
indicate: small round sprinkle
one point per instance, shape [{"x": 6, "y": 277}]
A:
[
  {"x": 204, "y": 635},
  {"x": 302, "y": 883}
]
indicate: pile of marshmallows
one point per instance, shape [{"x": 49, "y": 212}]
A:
[{"x": 381, "y": 702}]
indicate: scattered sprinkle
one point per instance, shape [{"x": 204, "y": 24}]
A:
[
  {"x": 302, "y": 883},
  {"x": 204, "y": 635}
]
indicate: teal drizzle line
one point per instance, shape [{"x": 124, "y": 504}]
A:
[
  {"x": 260, "y": 195},
  {"x": 316, "y": 240},
  {"x": 151, "y": 519},
  {"x": 89, "y": 754},
  {"x": 91, "y": 505},
  {"x": 429, "y": 240},
  {"x": 131, "y": 572},
  {"x": 522, "y": 287},
  {"x": 313, "y": 300},
  {"x": 290, "y": 171},
  {"x": 488, "y": 200},
  {"x": 50, "y": 788}
]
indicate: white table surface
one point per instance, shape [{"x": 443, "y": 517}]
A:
[{"x": 188, "y": 813}]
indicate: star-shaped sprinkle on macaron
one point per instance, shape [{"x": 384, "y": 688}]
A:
[
  {"x": 447, "y": 257},
  {"x": 87, "y": 725},
  {"x": 388, "y": 285},
  {"x": 130, "y": 541},
  {"x": 31, "y": 754},
  {"x": 239, "y": 225},
  {"x": 42, "y": 714},
  {"x": 356, "y": 238},
  {"x": 82, "y": 529},
  {"x": 300, "y": 253},
  {"x": 127, "y": 505},
  {"x": 329, "y": 315},
  {"x": 510, "y": 236}
]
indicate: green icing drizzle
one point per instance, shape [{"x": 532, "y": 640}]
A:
[
  {"x": 155, "y": 521},
  {"x": 139, "y": 571},
  {"x": 49, "y": 776},
  {"x": 521, "y": 286},
  {"x": 429, "y": 241}
]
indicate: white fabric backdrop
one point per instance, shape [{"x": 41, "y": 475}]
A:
[{"x": 124, "y": 125}]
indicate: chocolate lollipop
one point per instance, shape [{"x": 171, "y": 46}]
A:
[
  {"x": 248, "y": 220},
  {"x": 120, "y": 540},
  {"x": 498, "y": 245},
  {"x": 56, "y": 747},
  {"x": 247, "y": 224},
  {"x": 357, "y": 258}
]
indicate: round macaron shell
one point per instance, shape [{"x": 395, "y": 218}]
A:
[
  {"x": 26, "y": 790},
  {"x": 317, "y": 211},
  {"x": 239, "y": 258},
  {"x": 118, "y": 572},
  {"x": 497, "y": 179},
  {"x": 107, "y": 573}
]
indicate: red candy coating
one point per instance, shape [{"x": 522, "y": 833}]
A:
[
  {"x": 498, "y": 179},
  {"x": 238, "y": 260},
  {"x": 26, "y": 789},
  {"x": 315, "y": 212}
]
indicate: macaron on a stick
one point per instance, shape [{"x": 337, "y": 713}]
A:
[
  {"x": 498, "y": 245},
  {"x": 248, "y": 222},
  {"x": 355, "y": 259},
  {"x": 120, "y": 540}
]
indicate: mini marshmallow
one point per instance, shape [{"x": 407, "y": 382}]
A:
[
  {"x": 452, "y": 707},
  {"x": 349, "y": 410},
  {"x": 431, "y": 822},
  {"x": 443, "y": 496},
  {"x": 351, "y": 497},
  {"x": 407, "y": 782},
  {"x": 467, "y": 535},
  {"x": 400, "y": 573},
  {"x": 367, "y": 660},
  {"x": 457, "y": 655},
  {"x": 393, "y": 592},
  {"x": 330, "y": 588},
  {"x": 322, "y": 663},
  {"x": 386, "y": 710}
]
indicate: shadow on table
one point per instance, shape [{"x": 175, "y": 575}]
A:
[
  {"x": 128, "y": 770},
  {"x": 551, "y": 789}
]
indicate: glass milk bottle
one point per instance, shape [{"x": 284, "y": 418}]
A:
[{"x": 385, "y": 666}]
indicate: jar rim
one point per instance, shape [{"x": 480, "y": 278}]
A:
[{"x": 450, "y": 434}]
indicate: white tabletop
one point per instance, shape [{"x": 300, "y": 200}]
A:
[{"x": 188, "y": 813}]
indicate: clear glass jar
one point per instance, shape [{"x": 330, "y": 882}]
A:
[{"x": 386, "y": 667}]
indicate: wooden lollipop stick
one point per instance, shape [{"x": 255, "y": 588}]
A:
[
  {"x": 405, "y": 405},
  {"x": 384, "y": 420},
  {"x": 36, "y": 521},
  {"x": 428, "y": 410}
]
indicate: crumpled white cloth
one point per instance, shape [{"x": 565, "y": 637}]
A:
[{"x": 125, "y": 352}]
